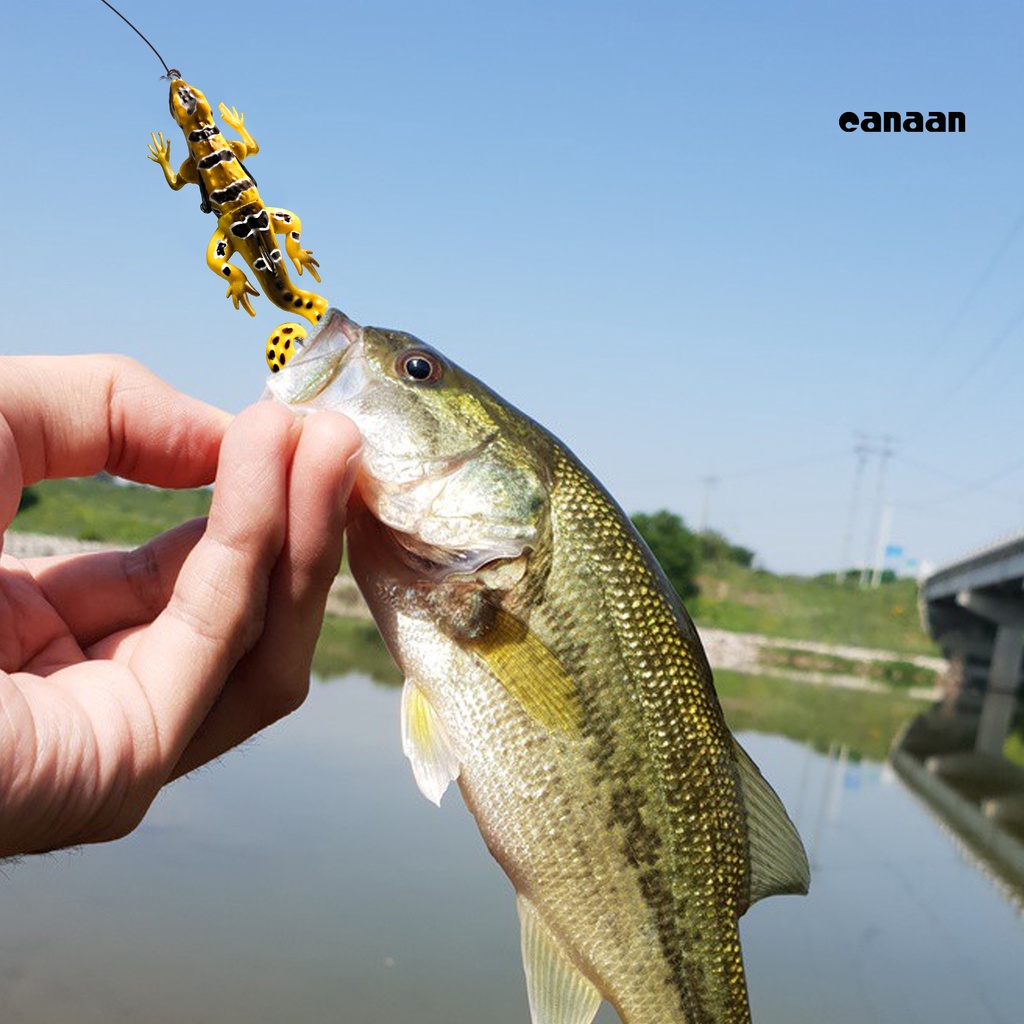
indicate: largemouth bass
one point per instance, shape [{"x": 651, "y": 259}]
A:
[{"x": 552, "y": 670}]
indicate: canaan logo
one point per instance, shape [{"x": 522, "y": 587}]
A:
[{"x": 911, "y": 121}]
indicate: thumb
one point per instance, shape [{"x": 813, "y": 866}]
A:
[{"x": 217, "y": 609}]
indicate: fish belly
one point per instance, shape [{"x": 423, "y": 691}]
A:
[{"x": 548, "y": 818}]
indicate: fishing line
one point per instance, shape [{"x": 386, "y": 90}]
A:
[{"x": 171, "y": 72}]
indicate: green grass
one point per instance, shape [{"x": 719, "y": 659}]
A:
[
  {"x": 900, "y": 675},
  {"x": 751, "y": 601},
  {"x": 732, "y": 596},
  {"x": 817, "y": 715},
  {"x": 94, "y": 508}
]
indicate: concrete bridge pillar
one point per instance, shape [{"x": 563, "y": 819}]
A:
[{"x": 1004, "y": 670}]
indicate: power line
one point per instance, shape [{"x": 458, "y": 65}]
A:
[
  {"x": 783, "y": 467},
  {"x": 964, "y": 487},
  {"x": 972, "y": 292},
  {"x": 710, "y": 483},
  {"x": 987, "y": 354},
  {"x": 946, "y": 332}
]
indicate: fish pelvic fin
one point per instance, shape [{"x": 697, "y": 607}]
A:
[
  {"x": 558, "y": 991},
  {"x": 778, "y": 862},
  {"x": 426, "y": 743},
  {"x": 522, "y": 663}
]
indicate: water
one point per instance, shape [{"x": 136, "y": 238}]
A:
[{"x": 305, "y": 879}]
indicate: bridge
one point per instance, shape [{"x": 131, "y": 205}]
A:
[
  {"x": 952, "y": 755},
  {"x": 974, "y": 609}
]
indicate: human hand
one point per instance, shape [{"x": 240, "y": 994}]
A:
[{"x": 121, "y": 670}]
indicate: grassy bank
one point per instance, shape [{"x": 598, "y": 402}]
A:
[
  {"x": 94, "y": 508},
  {"x": 900, "y": 675},
  {"x": 817, "y": 715},
  {"x": 800, "y": 608},
  {"x": 732, "y": 597}
]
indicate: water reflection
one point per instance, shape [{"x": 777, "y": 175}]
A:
[{"x": 306, "y": 879}]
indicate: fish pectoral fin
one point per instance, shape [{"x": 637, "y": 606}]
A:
[
  {"x": 426, "y": 743},
  {"x": 558, "y": 991},
  {"x": 524, "y": 665},
  {"x": 778, "y": 862}
]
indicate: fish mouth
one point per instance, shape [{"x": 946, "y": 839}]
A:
[
  {"x": 317, "y": 361},
  {"x": 335, "y": 332}
]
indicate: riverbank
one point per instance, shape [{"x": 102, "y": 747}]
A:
[
  {"x": 845, "y": 666},
  {"x": 344, "y": 600},
  {"x": 842, "y": 665},
  {"x": 812, "y": 692}
]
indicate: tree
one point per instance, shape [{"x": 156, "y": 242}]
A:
[
  {"x": 674, "y": 546},
  {"x": 714, "y": 547}
]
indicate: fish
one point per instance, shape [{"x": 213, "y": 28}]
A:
[{"x": 552, "y": 671}]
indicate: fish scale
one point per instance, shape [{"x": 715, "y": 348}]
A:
[
  {"x": 552, "y": 670},
  {"x": 678, "y": 729}
]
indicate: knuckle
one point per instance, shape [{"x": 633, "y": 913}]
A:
[
  {"x": 142, "y": 572},
  {"x": 216, "y": 615}
]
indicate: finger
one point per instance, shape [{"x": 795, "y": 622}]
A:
[
  {"x": 216, "y": 611},
  {"x": 77, "y": 415},
  {"x": 10, "y": 476},
  {"x": 103, "y": 592},
  {"x": 33, "y": 637},
  {"x": 273, "y": 678}
]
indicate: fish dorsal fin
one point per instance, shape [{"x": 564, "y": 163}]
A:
[
  {"x": 521, "y": 662},
  {"x": 425, "y": 742},
  {"x": 778, "y": 863},
  {"x": 558, "y": 991}
]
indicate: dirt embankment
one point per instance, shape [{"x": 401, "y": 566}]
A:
[{"x": 753, "y": 653}]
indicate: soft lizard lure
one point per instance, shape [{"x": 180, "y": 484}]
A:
[{"x": 244, "y": 224}]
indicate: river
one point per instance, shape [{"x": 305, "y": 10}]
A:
[{"x": 305, "y": 879}]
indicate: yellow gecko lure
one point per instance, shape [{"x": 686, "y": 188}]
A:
[{"x": 244, "y": 223}]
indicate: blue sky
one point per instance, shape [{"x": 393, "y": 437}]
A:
[{"x": 639, "y": 222}]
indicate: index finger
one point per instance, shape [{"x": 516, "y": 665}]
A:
[{"x": 77, "y": 415}]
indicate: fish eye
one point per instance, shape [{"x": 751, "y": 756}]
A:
[{"x": 420, "y": 367}]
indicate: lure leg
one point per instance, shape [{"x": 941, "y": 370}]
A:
[
  {"x": 284, "y": 222},
  {"x": 282, "y": 344},
  {"x": 160, "y": 153},
  {"x": 233, "y": 119},
  {"x": 218, "y": 252}
]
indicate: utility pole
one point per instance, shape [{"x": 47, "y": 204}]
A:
[
  {"x": 884, "y": 531},
  {"x": 861, "y": 450},
  {"x": 710, "y": 483},
  {"x": 875, "y": 551}
]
